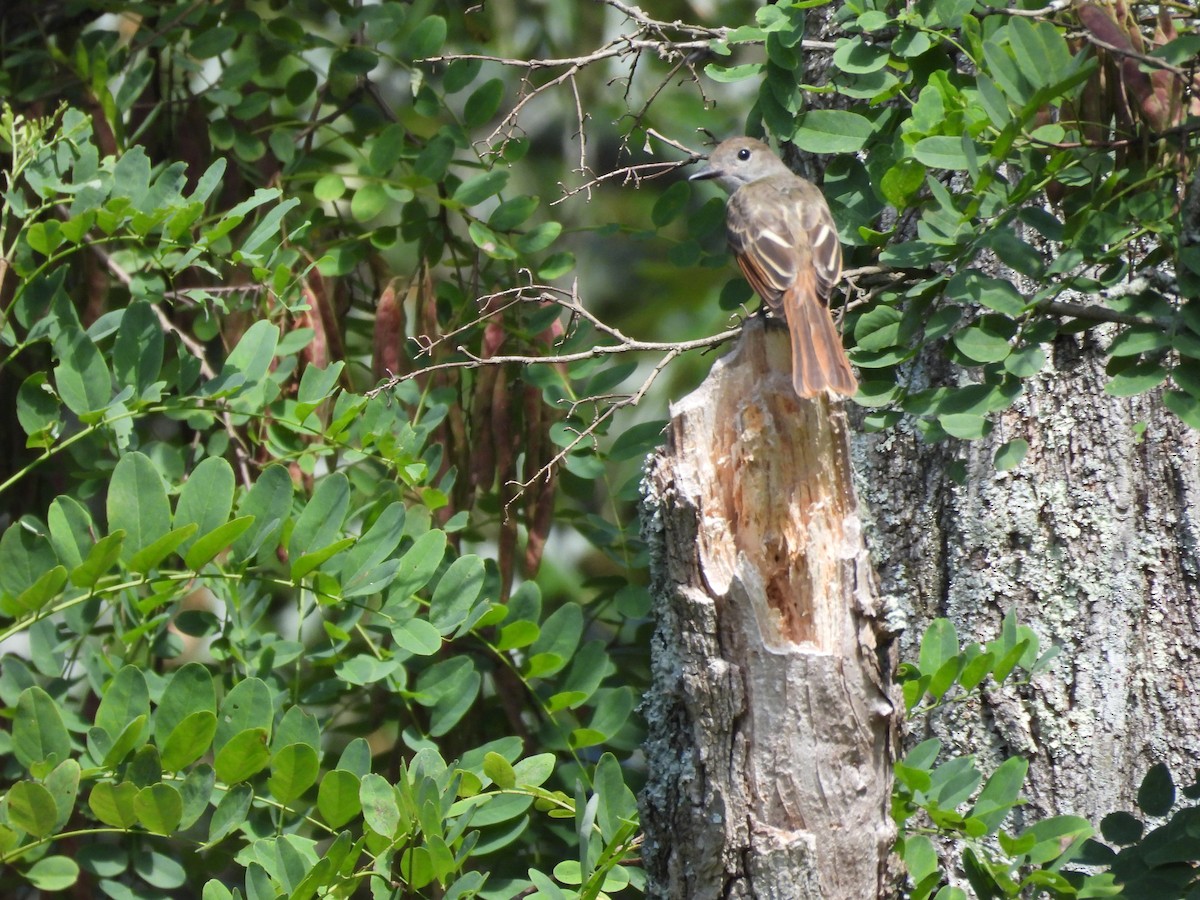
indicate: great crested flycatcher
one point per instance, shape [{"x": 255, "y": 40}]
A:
[{"x": 782, "y": 234}]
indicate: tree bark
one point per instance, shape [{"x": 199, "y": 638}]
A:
[
  {"x": 1093, "y": 539},
  {"x": 771, "y": 711}
]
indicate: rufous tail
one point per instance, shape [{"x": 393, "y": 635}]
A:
[{"x": 819, "y": 361}]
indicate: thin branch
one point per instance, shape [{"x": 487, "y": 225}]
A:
[
  {"x": 570, "y": 302},
  {"x": 1092, "y": 313},
  {"x": 1153, "y": 61},
  {"x": 1056, "y": 7},
  {"x": 634, "y": 175}
]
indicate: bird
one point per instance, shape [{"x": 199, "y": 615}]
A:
[{"x": 784, "y": 239}]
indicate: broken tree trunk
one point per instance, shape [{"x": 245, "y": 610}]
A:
[{"x": 770, "y": 714}]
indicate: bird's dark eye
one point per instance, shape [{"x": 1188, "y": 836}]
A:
[{"x": 744, "y": 154}]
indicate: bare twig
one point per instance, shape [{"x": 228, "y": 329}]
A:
[{"x": 569, "y": 301}]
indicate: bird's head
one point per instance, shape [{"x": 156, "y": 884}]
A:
[{"x": 739, "y": 161}]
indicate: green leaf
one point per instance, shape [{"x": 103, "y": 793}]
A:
[
  {"x": 556, "y": 265},
  {"x": 613, "y": 707},
  {"x": 212, "y": 41},
  {"x": 832, "y": 131},
  {"x": 965, "y": 426},
  {"x": 954, "y": 781},
  {"x": 207, "y": 496},
  {"x": 316, "y": 385},
  {"x": 42, "y": 591},
  {"x": 671, "y": 204},
  {"x": 938, "y": 645},
  {"x": 433, "y": 161},
  {"x": 987, "y": 341},
  {"x": 44, "y": 237},
  {"x": 304, "y": 565},
  {"x": 329, "y": 187},
  {"x": 189, "y": 740},
  {"x": 1000, "y": 794},
  {"x": 449, "y": 688},
  {"x": 1041, "y": 41},
  {"x": 878, "y": 328},
  {"x": 138, "y": 350},
  {"x": 25, "y": 557},
  {"x": 246, "y": 707},
  {"x": 560, "y": 635},
  {"x": 728, "y": 74},
  {"x": 1006, "y": 71},
  {"x": 1026, "y": 362},
  {"x": 1142, "y": 376},
  {"x": 920, "y": 857},
  {"x": 901, "y": 182},
  {"x": 190, "y": 690},
  {"x": 242, "y": 756},
  {"x": 940, "y": 151},
  {"x": 994, "y": 293},
  {"x": 1137, "y": 339},
  {"x": 269, "y": 501},
  {"x": 264, "y": 230},
  {"x": 112, "y": 803},
  {"x": 1185, "y": 406},
  {"x": 319, "y": 524},
  {"x": 31, "y": 808},
  {"x": 479, "y": 188},
  {"x": 137, "y": 503},
  {"x": 419, "y": 563},
  {"x": 38, "y": 731},
  {"x": 426, "y": 39},
  {"x": 100, "y": 559},
  {"x": 368, "y": 201},
  {"x": 337, "y": 798},
  {"x": 534, "y": 771},
  {"x": 856, "y": 56},
  {"x": 81, "y": 376},
  {"x": 456, "y": 593},
  {"x": 63, "y": 785},
  {"x": 159, "y": 808},
  {"x": 206, "y": 548},
  {"x": 418, "y": 637},
  {"x": 376, "y": 545},
  {"x": 618, "y": 806},
  {"x": 230, "y": 813},
  {"x": 125, "y": 698},
  {"x": 151, "y": 555},
  {"x": 38, "y": 411},
  {"x": 539, "y": 238},
  {"x": 500, "y": 771},
  {"x": 1057, "y": 838},
  {"x": 512, "y": 213},
  {"x": 249, "y": 361},
  {"x": 483, "y": 103},
  {"x": 71, "y": 530},
  {"x": 380, "y": 811},
  {"x": 1011, "y": 454},
  {"x": 294, "y": 770},
  {"x": 53, "y": 873},
  {"x": 131, "y": 737}
]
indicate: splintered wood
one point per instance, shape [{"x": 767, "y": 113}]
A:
[{"x": 770, "y": 714}]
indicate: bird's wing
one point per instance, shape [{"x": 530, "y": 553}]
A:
[
  {"x": 817, "y": 223},
  {"x": 763, "y": 231},
  {"x": 775, "y": 227}
]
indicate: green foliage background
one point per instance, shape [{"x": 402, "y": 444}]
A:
[{"x": 271, "y": 630}]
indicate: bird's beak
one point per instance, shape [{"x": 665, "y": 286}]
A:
[{"x": 705, "y": 174}]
